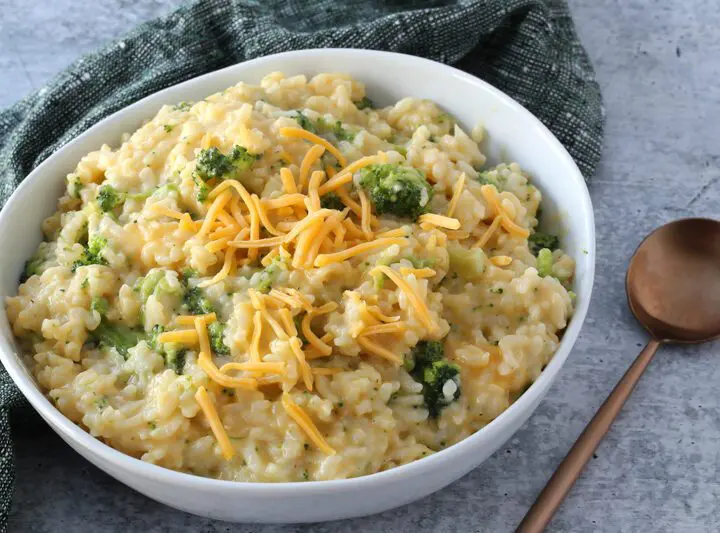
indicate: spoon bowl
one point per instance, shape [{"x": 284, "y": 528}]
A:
[{"x": 673, "y": 281}]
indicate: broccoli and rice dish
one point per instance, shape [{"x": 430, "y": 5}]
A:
[{"x": 284, "y": 282}]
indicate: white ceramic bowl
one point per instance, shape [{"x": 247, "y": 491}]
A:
[{"x": 514, "y": 135}]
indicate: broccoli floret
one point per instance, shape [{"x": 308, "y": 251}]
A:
[
  {"x": 92, "y": 255},
  {"x": 538, "y": 240},
  {"x": 100, "y": 304},
  {"x": 304, "y": 122},
  {"x": 365, "y": 103},
  {"x": 173, "y": 353},
  {"x": 182, "y": 106},
  {"x": 74, "y": 186},
  {"x": 264, "y": 279},
  {"x": 109, "y": 198},
  {"x": 216, "y": 331},
  {"x": 544, "y": 262},
  {"x": 427, "y": 366},
  {"x": 332, "y": 201},
  {"x": 202, "y": 189},
  {"x": 421, "y": 262},
  {"x": 297, "y": 319},
  {"x": 212, "y": 163},
  {"x": 188, "y": 273},
  {"x": 486, "y": 179},
  {"x": 468, "y": 263},
  {"x": 175, "y": 359},
  {"x": 341, "y": 134},
  {"x": 117, "y": 336},
  {"x": 196, "y": 302},
  {"x": 32, "y": 265},
  {"x": 397, "y": 190}
]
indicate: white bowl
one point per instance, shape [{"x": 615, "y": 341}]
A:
[{"x": 514, "y": 135}]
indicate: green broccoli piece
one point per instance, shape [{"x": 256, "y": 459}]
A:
[
  {"x": 173, "y": 353},
  {"x": 538, "y": 240},
  {"x": 182, "y": 106},
  {"x": 427, "y": 366},
  {"x": 396, "y": 190},
  {"x": 332, "y": 201},
  {"x": 74, "y": 186},
  {"x": 544, "y": 262},
  {"x": 196, "y": 302},
  {"x": 100, "y": 304},
  {"x": 202, "y": 189},
  {"x": 109, "y": 198},
  {"x": 188, "y": 273},
  {"x": 468, "y": 263},
  {"x": 304, "y": 122},
  {"x": 117, "y": 336},
  {"x": 365, "y": 103},
  {"x": 32, "y": 265},
  {"x": 297, "y": 319},
  {"x": 216, "y": 331},
  {"x": 212, "y": 163},
  {"x": 146, "y": 285},
  {"x": 341, "y": 134},
  {"x": 486, "y": 179},
  {"x": 92, "y": 255},
  {"x": 421, "y": 262},
  {"x": 175, "y": 359},
  {"x": 264, "y": 279}
]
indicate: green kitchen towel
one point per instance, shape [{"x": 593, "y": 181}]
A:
[{"x": 527, "y": 48}]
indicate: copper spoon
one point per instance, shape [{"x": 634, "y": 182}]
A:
[{"x": 673, "y": 289}]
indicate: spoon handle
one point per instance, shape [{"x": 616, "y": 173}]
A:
[{"x": 565, "y": 475}]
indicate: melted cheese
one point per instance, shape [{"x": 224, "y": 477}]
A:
[
  {"x": 390, "y": 327},
  {"x": 419, "y": 273},
  {"x": 166, "y": 211},
  {"x": 501, "y": 260}
]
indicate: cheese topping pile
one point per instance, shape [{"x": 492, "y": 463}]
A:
[{"x": 285, "y": 283}]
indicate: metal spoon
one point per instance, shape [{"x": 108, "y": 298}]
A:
[{"x": 673, "y": 289}]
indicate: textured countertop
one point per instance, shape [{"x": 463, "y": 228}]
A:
[{"x": 659, "y": 468}]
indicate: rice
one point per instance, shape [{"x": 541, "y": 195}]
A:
[{"x": 498, "y": 326}]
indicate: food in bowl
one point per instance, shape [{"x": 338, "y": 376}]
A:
[{"x": 284, "y": 283}]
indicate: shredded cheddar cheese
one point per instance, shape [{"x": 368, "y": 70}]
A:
[
  {"x": 374, "y": 348},
  {"x": 306, "y": 424},
  {"x": 185, "y": 336},
  {"x": 337, "y": 257},
  {"x": 439, "y": 221},
  {"x": 299, "y": 133},
  {"x": 420, "y": 306},
  {"x": 305, "y": 371},
  {"x": 216, "y": 425},
  {"x": 189, "y": 320},
  {"x": 457, "y": 191}
]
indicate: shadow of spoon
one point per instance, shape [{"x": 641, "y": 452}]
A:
[{"x": 673, "y": 289}]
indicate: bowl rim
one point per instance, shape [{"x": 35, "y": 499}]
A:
[{"x": 73, "y": 432}]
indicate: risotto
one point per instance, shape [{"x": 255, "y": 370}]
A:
[{"x": 283, "y": 282}]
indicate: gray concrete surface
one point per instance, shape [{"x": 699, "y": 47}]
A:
[{"x": 659, "y": 469}]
